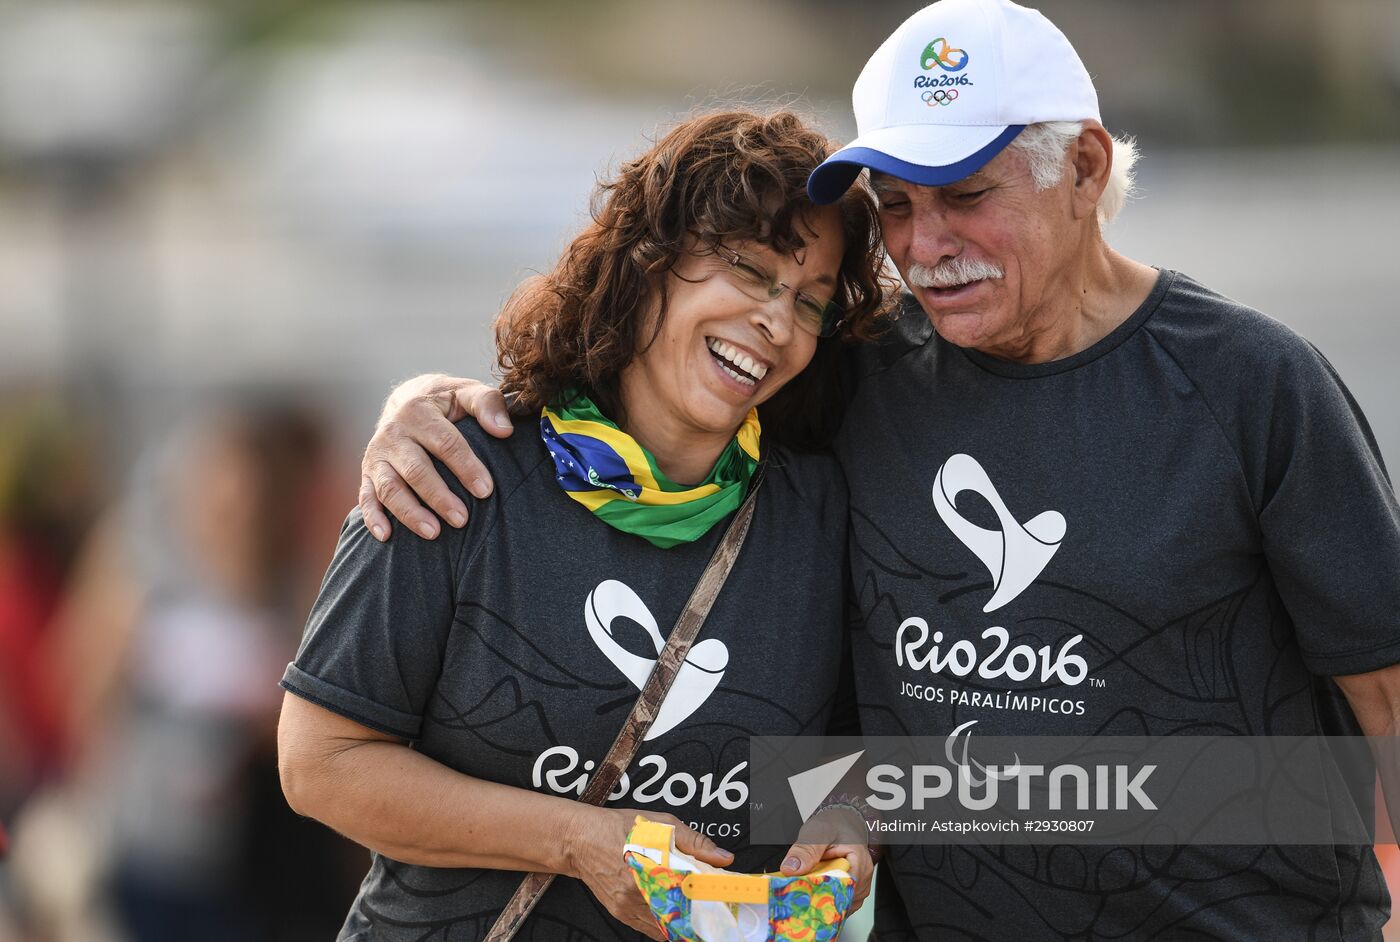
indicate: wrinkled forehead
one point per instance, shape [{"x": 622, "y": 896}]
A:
[
  {"x": 886, "y": 183},
  {"x": 1008, "y": 164}
]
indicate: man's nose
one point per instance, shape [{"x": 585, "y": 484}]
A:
[{"x": 933, "y": 238}]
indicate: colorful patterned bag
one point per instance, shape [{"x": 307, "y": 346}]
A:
[{"x": 694, "y": 902}]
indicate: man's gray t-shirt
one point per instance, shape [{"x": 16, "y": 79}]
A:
[
  {"x": 1196, "y": 504},
  {"x": 512, "y": 650}
]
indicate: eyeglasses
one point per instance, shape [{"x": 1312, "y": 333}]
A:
[{"x": 812, "y": 314}]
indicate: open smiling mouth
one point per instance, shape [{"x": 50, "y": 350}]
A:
[{"x": 739, "y": 365}]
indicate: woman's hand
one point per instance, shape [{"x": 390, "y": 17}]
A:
[
  {"x": 414, "y": 427},
  {"x": 821, "y": 839},
  {"x": 594, "y": 855}
]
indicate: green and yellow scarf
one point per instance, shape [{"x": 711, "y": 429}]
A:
[{"x": 610, "y": 473}]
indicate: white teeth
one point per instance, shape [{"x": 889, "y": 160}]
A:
[
  {"x": 738, "y": 358},
  {"x": 743, "y": 379}
]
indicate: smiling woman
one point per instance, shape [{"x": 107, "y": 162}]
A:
[
  {"x": 720, "y": 195},
  {"x": 451, "y": 697}
]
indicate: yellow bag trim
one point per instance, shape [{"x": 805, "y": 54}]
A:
[{"x": 726, "y": 887}]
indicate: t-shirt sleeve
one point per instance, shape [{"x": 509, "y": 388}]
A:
[
  {"x": 1330, "y": 523},
  {"x": 374, "y": 642}
]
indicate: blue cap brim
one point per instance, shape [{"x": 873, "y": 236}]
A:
[{"x": 839, "y": 171}]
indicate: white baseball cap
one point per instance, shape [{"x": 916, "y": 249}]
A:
[{"x": 953, "y": 86}]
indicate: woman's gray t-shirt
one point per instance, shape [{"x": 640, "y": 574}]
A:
[{"x": 511, "y": 651}]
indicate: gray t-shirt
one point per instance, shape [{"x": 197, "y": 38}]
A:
[
  {"x": 1196, "y": 507},
  {"x": 512, "y": 650}
]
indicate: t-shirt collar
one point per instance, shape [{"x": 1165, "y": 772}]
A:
[{"x": 1091, "y": 353}]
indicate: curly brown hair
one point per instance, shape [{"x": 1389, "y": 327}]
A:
[{"x": 721, "y": 177}]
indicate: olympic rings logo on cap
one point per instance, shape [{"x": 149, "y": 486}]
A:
[
  {"x": 943, "y": 96},
  {"x": 947, "y": 58}
]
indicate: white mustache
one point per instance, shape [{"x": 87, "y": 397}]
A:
[{"x": 953, "y": 272}]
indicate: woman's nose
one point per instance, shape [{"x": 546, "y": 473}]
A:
[{"x": 776, "y": 318}]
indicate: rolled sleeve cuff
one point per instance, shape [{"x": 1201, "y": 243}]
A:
[
  {"x": 351, "y": 705},
  {"x": 1361, "y": 661}
]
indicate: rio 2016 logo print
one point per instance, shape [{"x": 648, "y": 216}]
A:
[{"x": 946, "y": 57}]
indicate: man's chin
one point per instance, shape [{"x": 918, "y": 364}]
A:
[{"x": 962, "y": 327}]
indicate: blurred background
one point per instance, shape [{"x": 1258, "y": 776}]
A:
[{"x": 227, "y": 228}]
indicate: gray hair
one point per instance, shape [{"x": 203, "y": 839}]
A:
[{"x": 1045, "y": 146}]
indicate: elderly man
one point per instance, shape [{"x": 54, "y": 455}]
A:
[{"x": 1081, "y": 452}]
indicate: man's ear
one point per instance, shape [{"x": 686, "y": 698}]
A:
[{"x": 1092, "y": 156}]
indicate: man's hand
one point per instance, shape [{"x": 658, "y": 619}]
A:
[
  {"x": 822, "y": 838},
  {"x": 415, "y": 426}
]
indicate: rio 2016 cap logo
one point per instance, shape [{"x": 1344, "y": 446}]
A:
[
  {"x": 935, "y": 89},
  {"x": 943, "y": 55}
]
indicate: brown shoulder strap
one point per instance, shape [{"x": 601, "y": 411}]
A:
[{"x": 668, "y": 664}]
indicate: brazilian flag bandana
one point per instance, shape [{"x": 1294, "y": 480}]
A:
[{"x": 610, "y": 473}]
